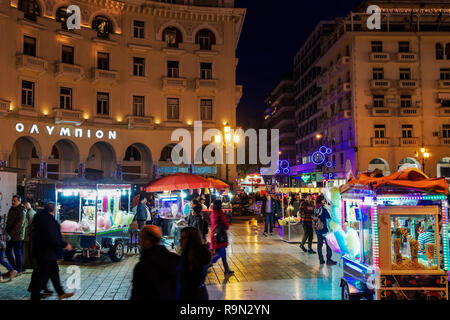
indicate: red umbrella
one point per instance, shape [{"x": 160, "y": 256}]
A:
[
  {"x": 218, "y": 184},
  {"x": 178, "y": 181}
]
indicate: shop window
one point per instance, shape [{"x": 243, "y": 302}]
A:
[
  {"x": 29, "y": 46},
  {"x": 139, "y": 106},
  {"x": 27, "y": 93},
  {"x": 30, "y": 8},
  {"x": 138, "y": 29},
  {"x": 205, "y": 38},
  {"x": 172, "y": 37},
  {"x": 103, "y": 27}
]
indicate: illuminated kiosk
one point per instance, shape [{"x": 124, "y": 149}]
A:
[
  {"x": 393, "y": 251},
  {"x": 95, "y": 218}
]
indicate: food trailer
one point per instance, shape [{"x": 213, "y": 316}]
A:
[
  {"x": 396, "y": 237},
  {"x": 95, "y": 218}
]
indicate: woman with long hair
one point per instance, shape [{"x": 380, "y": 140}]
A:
[
  {"x": 219, "y": 237},
  {"x": 195, "y": 259}
]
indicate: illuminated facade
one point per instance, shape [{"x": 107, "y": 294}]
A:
[{"x": 106, "y": 98}]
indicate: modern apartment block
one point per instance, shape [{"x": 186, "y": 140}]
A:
[
  {"x": 376, "y": 98},
  {"x": 106, "y": 98}
]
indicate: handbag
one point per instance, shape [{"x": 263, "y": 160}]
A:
[{"x": 220, "y": 233}]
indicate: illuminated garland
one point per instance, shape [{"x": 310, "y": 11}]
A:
[{"x": 375, "y": 239}]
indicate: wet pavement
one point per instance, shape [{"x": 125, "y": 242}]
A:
[{"x": 266, "y": 268}]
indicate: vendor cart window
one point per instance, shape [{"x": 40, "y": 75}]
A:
[{"x": 413, "y": 242}]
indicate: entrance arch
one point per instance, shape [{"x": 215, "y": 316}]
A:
[
  {"x": 381, "y": 164},
  {"x": 410, "y": 162},
  {"x": 137, "y": 162},
  {"x": 26, "y": 154},
  {"x": 102, "y": 159},
  {"x": 166, "y": 153},
  {"x": 63, "y": 160},
  {"x": 443, "y": 168}
]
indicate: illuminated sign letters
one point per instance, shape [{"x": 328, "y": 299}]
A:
[{"x": 67, "y": 132}]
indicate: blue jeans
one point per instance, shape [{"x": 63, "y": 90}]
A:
[
  {"x": 269, "y": 220},
  {"x": 14, "y": 254},
  {"x": 320, "y": 241},
  {"x": 221, "y": 253},
  {"x": 4, "y": 263}
]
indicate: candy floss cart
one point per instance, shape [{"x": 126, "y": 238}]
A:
[
  {"x": 394, "y": 237},
  {"x": 95, "y": 218}
]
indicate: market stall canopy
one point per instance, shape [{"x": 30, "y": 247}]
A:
[
  {"x": 253, "y": 180},
  {"x": 410, "y": 178},
  {"x": 218, "y": 184},
  {"x": 179, "y": 181}
]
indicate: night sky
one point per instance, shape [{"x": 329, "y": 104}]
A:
[{"x": 273, "y": 32}]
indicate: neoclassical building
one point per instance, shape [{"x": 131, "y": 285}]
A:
[{"x": 105, "y": 99}]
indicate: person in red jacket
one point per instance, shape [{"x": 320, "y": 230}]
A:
[{"x": 219, "y": 238}]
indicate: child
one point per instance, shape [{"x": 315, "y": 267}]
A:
[{"x": 3, "y": 238}]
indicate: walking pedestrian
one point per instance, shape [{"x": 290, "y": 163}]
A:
[
  {"x": 195, "y": 219},
  {"x": 3, "y": 238},
  {"x": 47, "y": 243},
  {"x": 155, "y": 276},
  {"x": 142, "y": 212},
  {"x": 306, "y": 211},
  {"x": 195, "y": 258},
  {"x": 320, "y": 221},
  {"x": 26, "y": 259},
  {"x": 15, "y": 228},
  {"x": 219, "y": 237},
  {"x": 269, "y": 207}
]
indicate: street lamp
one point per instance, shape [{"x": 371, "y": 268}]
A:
[
  {"x": 425, "y": 155},
  {"x": 229, "y": 139}
]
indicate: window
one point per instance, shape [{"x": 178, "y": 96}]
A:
[
  {"x": 27, "y": 93},
  {"x": 446, "y": 130},
  {"x": 378, "y": 101},
  {"x": 61, "y": 17},
  {"x": 172, "y": 37},
  {"x": 29, "y": 46},
  {"x": 377, "y": 46},
  {"x": 205, "y": 70},
  {"x": 380, "y": 131},
  {"x": 67, "y": 55},
  {"x": 205, "y": 38},
  {"x": 103, "y": 103},
  {"x": 103, "y": 27},
  {"x": 407, "y": 130},
  {"x": 403, "y": 46},
  {"x": 139, "y": 106},
  {"x": 378, "y": 73},
  {"x": 447, "y": 51},
  {"x": 405, "y": 74},
  {"x": 445, "y": 103},
  {"x": 138, "y": 29},
  {"x": 439, "y": 52},
  {"x": 173, "y": 109},
  {"x": 138, "y": 67},
  {"x": 206, "y": 109},
  {"x": 65, "y": 98},
  {"x": 30, "y": 8},
  {"x": 132, "y": 154},
  {"x": 405, "y": 101},
  {"x": 103, "y": 60},
  {"x": 173, "y": 69},
  {"x": 445, "y": 74}
]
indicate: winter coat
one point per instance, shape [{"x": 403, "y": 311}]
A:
[
  {"x": 274, "y": 205},
  {"x": 16, "y": 223},
  {"x": 155, "y": 276},
  {"x": 217, "y": 217},
  {"x": 141, "y": 212}
]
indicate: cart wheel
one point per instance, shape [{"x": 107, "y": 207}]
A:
[
  {"x": 116, "y": 252},
  {"x": 346, "y": 293}
]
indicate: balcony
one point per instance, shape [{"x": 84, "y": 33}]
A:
[
  {"x": 407, "y": 84},
  {"x": 31, "y": 65},
  {"x": 406, "y": 57},
  {"x": 68, "y": 116},
  {"x": 103, "y": 119},
  {"x": 380, "y": 84},
  {"x": 407, "y": 142},
  {"x": 409, "y": 112},
  {"x": 71, "y": 72},
  {"x": 4, "y": 106},
  {"x": 444, "y": 111},
  {"x": 178, "y": 84},
  {"x": 105, "y": 76},
  {"x": 380, "y": 111},
  {"x": 381, "y": 142},
  {"x": 379, "y": 57},
  {"x": 445, "y": 141},
  {"x": 206, "y": 85},
  {"x": 140, "y": 122},
  {"x": 444, "y": 84}
]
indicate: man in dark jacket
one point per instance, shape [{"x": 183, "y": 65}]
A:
[
  {"x": 270, "y": 209},
  {"x": 155, "y": 276},
  {"x": 15, "y": 228},
  {"x": 306, "y": 212},
  {"x": 47, "y": 243},
  {"x": 142, "y": 212},
  {"x": 195, "y": 218}
]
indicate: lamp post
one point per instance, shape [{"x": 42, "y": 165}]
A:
[
  {"x": 425, "y": 155},
  {"x": 229, "y": 139}
]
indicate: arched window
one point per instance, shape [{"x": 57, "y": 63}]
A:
[
  {"x": 172, "y": 36},
  {"x": 103, "y": 27},
  {"x": 132, "y": 154},
  {"x": 34, "y": 154},
  {"x": 61, "y": 17},
  {"x": 55, "y": 153},
  {"x": 439, "y": 51},
  {"x": 30, "y": 8},
  {"x": 166, "y": 153},
  {"x": 205, "y": 38}
]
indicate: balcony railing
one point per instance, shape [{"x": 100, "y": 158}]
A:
[
  {"x": 381, "y": 142},
  {"x": 105, "y": 76},
  {"x": 379, "y": 57},
  {"x": 206, "y": 84},
  {"x": 4, "y": 106},
  {"x": 380, "y": 84},
  {"x": 444, "y": 84},
  {"x": 69, "y": 71},
  {"x": 445, "y": 141},
  {"x": 31, "y": 64},
  {"x": 409, "y": 112},
  {"x": 67, "y": 115},
  {"x": 406, "y": 57},
  {"x": 174, "y": 83},
  {"x": 407, "y": 84},
  {"x": 380, "y": 111},
  {"x": 140, "y": 122},
  {"x": 404, "y": 142},
  {"x": 444, "y": 111}
]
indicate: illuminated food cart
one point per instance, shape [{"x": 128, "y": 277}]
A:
[
  {"x": 95, "y": 218},
  {"x": 396, "y": 237}
]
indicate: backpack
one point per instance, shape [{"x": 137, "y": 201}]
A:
[{"x": 317, "y": 224}]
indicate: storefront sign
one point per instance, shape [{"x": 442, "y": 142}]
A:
[
  {"x": 306, "y": 178},
  {"x": 67, "y": 132}
]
